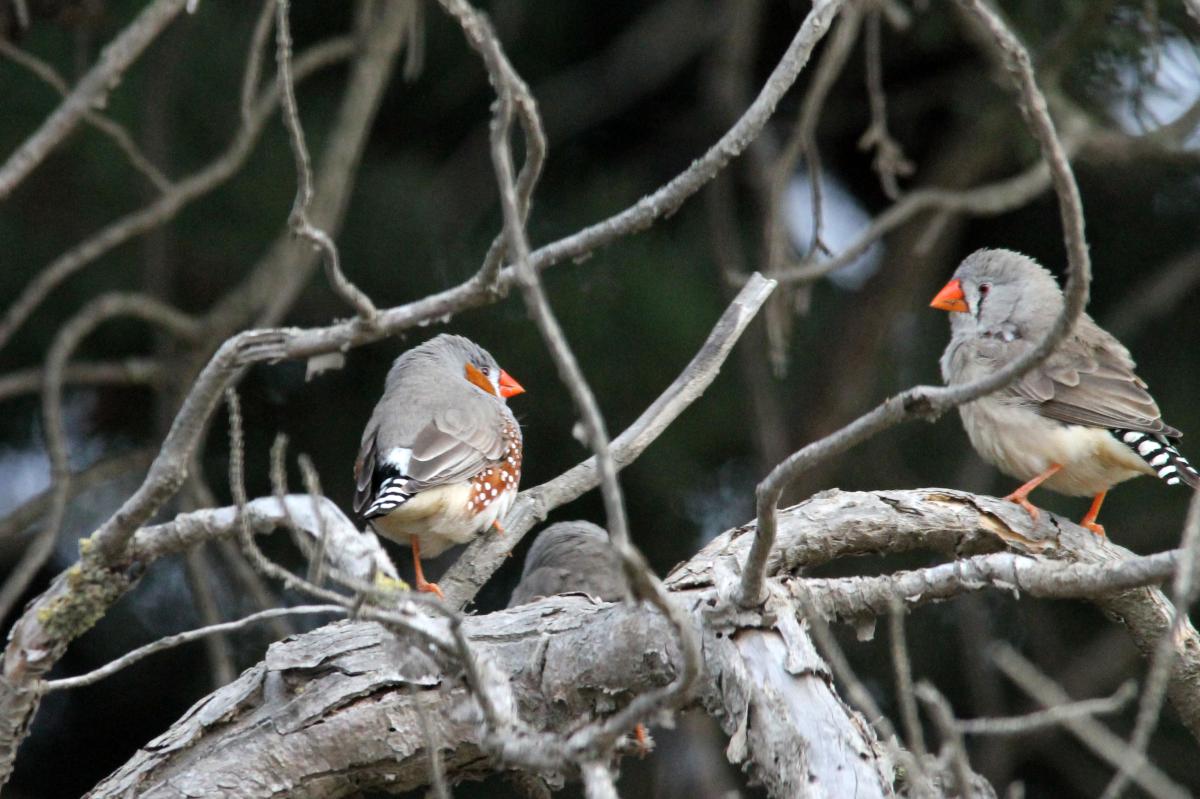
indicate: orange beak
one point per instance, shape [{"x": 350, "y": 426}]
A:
[
  {"x": 508, "y": 386},
  {"x": 951, "y": 298}
]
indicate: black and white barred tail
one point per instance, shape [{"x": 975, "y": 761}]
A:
[
  {"x": 1158, "y": 451},
  {"x": 389, "y": 497}
]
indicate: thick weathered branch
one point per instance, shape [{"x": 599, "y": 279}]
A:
[
  {"x": 835, "y": 524},
  {"x": 335, "y": 708}
]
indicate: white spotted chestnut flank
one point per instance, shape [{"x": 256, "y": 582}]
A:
[
  {"x": 1161, "y": 455},
  {"x": 499, "y": 482}
]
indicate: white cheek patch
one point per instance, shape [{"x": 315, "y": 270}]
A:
[{"x": 399, "y": 457}]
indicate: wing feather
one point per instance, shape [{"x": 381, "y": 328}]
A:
[{"x": 1090, "y": 381}]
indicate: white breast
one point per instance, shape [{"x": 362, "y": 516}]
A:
[{"x": 1023, "y": 444}]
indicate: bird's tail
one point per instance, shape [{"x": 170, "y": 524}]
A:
[{"x": 1160, "y": 453}]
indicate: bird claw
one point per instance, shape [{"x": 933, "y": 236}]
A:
[
  {"x": 1030, "y": 508},
  {"x": 430, "y": 588},
  {"x": 1095, "y": 527},
  {"x": 642, "y": 740},
  {"x": 499, "y": 528}
]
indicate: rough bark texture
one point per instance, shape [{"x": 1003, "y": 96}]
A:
[{"x": 339, "y": 710}]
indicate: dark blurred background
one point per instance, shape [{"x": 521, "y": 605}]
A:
[{"x": 631, "y": 92}]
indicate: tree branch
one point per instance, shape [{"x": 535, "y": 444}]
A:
[
  {"x": 90, "y": 92},
  {"x": 929, "y": 402}
]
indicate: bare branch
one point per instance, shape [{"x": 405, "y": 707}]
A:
[
  {"x": 167, "y": 205},
  {"x": 905, "y": 689},
  {"x": 484, "y": 555},
  {"x": 197, "y": 567},
  {"x": 109, "y": 127},
  {"x": 889, "y": 161},
  {"x": 848, "y": 597},
  {"x": 929, "y": 402},
  {"x": 65, "y": 343},
  {"x": 1052, "y": 716},
  {"x": 299, "y": 220},
  {"x": 130, "y": 371},
  {"x": 90, "y": 92},
  {"x": 1089, "y": 731},
  {"x": 171, "y": 641},
  {"x": 1183, "y": 594}
]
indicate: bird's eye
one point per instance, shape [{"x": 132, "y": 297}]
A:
[
  {"x": 984, "y": 288},
  {"x": 486, "y": 370}
]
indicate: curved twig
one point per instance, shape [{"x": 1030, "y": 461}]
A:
[{"x": 929, "y": 402}]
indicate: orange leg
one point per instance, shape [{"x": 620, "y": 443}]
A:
[
  {"x": 422, "y": 584},
  {"x": 1089, "y": 518},
  {"x": 643, "y": 740},
  {"x": 499, "y": 528},
  {"x": 1020, "y": 495}
]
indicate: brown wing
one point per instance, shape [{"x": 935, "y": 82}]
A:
[{"x": 1090, "y": 381}]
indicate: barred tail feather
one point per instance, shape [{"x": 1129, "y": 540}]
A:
[
  {"x": 1162, "y": 456},
  {"x": 389, "y": 497}
]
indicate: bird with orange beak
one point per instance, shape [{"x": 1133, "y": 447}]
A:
[
  {"x": 440, "y": 458},
  {"x": 1081, "y": 421}
]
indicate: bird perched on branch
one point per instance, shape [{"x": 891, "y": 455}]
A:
[
  {"x": 1081, "y": 421},
  {"x": 570, "y": 556},
  {"x": 440, "y": 458}
]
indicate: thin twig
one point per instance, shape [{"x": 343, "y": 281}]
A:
[
  {"x": 65, "y": 343},
  {"x": 216, "y": 646},
  {"x": 597, "y": 740},
  {"x": 889, "y": 161},
  {"x": 312, "y": 484},
  {"x": 109, "y": 127},
  {"x": 299, "y": 221},
  {"x": 483, "y": 39},
  {"x": 1184, "y": 590},
  {"x": 437, "y": 769},
  {"x": 90, "y": 92},
  {"x": 171, "y": 641},
  {"x": 130, "y": 371},
  {"x": 902, "y": 665},
  {"x": 847, "y": 597},
  {"x": 942, "y": 714},
  {"x": 928, "y": 402},
  {"x": 1090, "y": 732},
  {"x": 166, "y": 206},
  {"x": 1052, "y": 716}
]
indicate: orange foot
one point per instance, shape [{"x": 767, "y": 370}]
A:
[
  {"x": 429, "y": 588},
  {"x": 499, "y": 528},
  {"x": 643, "y": 740},
  {"x": 1095, "y": 527},
  {"x": 1018, "y": 498}
]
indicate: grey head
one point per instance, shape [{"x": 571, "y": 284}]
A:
[
  {"x": 570, "y": 557},
  {"x": 1008, "y": 295},
  {"x": 446, "y": 358}
]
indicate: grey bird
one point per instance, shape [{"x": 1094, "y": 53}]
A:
[
  {"x": 1082, "y": 421},
  {"x": 570, "y": 556},
  {"x": 440, "y": 458}
]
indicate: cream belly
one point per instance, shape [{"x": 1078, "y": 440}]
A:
[
  {"x": 1023, "y": 444},
  {"x": 441, "y": 518}
]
